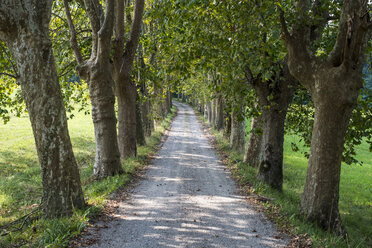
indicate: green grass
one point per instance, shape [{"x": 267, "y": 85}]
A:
[
  {"x": 355, "y": 194},
  {"x": 20, "y": 181}
]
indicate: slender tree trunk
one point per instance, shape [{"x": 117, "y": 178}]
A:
[
  {"x": 252, "y": 153},
  {"x": 140, "y": 133},
  {"x": 214, "y": 108},
  {"x": 205, "y": 111},
  {"x": 170, "y": 104},
  {"x": 210, "y": 112},
  {"x": 227, "y": 125},
  {"x": 219, "y": 113},
  {"x": 146, "y": 118},
  {"x": 237, "y": 138},
  {"x": 31, "y": 48}
]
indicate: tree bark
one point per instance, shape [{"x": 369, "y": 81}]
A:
[
  {"x": 205, "y": 115},
  {"x": 219, "y": 113},
  {"x": 209, "y": 109},
  {"x": 25, "y": 30},
  {"x": 126, "y": 96},
  {"x": 321, "y": 193},
  {"x": 252, "y": 154},
  {"x": 334, "y": 85},
  {"x": 237, "y": 138},
  {"x": 100, "y": 83},
  {"x": 227, "y": 127},
  {"x": 140, "y": 133},
  {"x": 214, "y": 113}
]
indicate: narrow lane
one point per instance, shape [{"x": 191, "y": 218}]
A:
[{"x": 187, "y": 199}]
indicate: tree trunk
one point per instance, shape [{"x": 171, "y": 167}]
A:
[
  {"x": 170, "y": 100},
  {"x": 334, "y": 96},
  {"x": 146, "y": 118},
  {"x": 126, "y": 95},
  {"x": 227, "y": 127},
  {"x": 252, "y": 153},
  {"x": 31, "y": 49},
  {"x": 140, "y": 133},
  {"x": 237, "y": 137},
  {"x": 280, "y": 91},
  {"x": 107, "y": 161},
  {"x": 209, "y": 109},
  {"x": 271, "y": 162},
  {"x": 205, "y": 111},
  {"x": 219, "y": 113},
  {"x": 214, "y": 111}
]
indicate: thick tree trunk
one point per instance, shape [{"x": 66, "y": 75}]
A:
[
  {"x": 252, "y": 154},
  {"x": 237, "y": 137},
  {"x": 271, "y": 162},
  {"x": 334, "y": 103},
  {"x": 281, "y": 91},
  {"x": 107, "y": 161},
  {"x": 126, "y": 95},
  {"x": 219, "y": 113},
  {"x": 140, "y": 133},
  {"x": 31, "y": 48}
]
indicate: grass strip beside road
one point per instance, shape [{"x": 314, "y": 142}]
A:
[{"x": 20, "y": 181}]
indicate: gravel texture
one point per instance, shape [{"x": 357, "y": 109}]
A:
[{"x": 187, "y": 199}]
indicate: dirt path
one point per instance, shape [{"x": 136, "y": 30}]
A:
[{"x": 187, "y": 199}]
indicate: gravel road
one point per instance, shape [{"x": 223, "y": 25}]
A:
[{"x": 187, "y": 199}]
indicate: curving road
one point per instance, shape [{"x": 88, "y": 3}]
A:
[{"x": 187, "y": 199}]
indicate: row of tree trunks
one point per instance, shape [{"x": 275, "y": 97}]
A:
[{"x": 29, "y": 43}]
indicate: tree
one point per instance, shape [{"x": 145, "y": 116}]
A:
[
  {"x": 334, "y": 83},
  {"x": 126, "y": 90},
  {"x": 24, "y": 27},
  {"x": 97, "y": 73}
]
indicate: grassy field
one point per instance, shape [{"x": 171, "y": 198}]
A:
[
  {"x": 355, "y": 194},
  {"x": 20, "y": 182}
]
